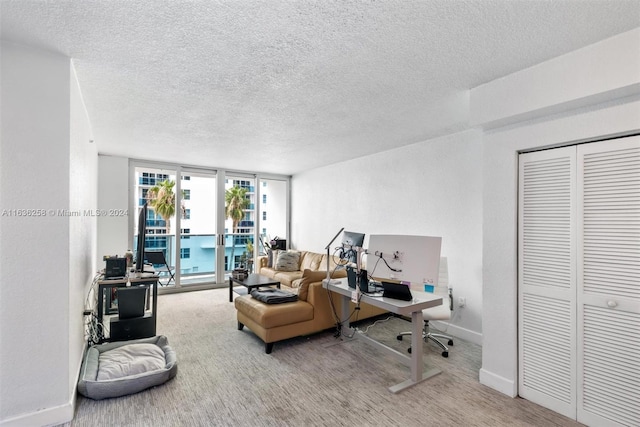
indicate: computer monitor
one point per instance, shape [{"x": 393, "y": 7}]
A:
[
  {"x": 142, "y": 232},
  {"x": 351, "y": 241},
  {"x": 414, "y": 260}
]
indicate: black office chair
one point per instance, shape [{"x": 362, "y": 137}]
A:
[{"x": 160, "y": 265}]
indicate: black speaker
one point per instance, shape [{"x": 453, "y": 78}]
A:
[
  {"x": 131, "y": 329},
  {"x": 115, "y": 267},
  {"x": 363, "y": 280},
  {"x": 351, "y": 277}
]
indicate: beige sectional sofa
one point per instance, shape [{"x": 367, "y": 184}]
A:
[{"x": 315, "y": 310}]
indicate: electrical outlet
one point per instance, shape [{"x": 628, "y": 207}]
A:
[{"x": 462, "y": 301}]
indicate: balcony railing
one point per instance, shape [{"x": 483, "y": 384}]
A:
[
  {"x": 156, "y": 223},
  {"x": 199, "y": 253}
]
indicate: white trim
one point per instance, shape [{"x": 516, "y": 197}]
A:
[
  {"x": 457, "y": 331},
  {"x": 496, "y": 382},
  {"x": 47, "y": 417}
]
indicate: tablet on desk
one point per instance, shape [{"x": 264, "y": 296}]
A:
[{"x": 396, "y": 291}]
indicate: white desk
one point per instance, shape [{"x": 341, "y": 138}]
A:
[{"x": 421, "y": 300}]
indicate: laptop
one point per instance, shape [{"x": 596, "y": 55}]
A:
[
  {"x": 396, "y": 291},
  {"x": 131, "y": 301}
]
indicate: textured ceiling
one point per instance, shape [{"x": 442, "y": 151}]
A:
[{"x": 284, "y": 86}]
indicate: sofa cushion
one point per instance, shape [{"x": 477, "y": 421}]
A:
[
  {"x": 309, "y": 277},
  {"x": 310, "y": 260},
  {"x": 333, "y": 262},
  {"x": 288, "y": 278},
  {"x": 272, "y": 257},
  {"x": 288, "y": 261}
]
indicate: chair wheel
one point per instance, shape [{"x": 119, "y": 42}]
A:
[
  {"x": 445, "y": 354},
  {"x": 450, "y": 342},
  {"x": 409, "y": 350},
  {"x": 399, "y": 337}
]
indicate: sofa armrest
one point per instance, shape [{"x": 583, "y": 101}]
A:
[
  {"x": 262, "y": 262},
  {"x": 323, "y": 313}
]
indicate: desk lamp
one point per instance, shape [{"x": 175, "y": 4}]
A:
[{"x": 328, "y": 247}]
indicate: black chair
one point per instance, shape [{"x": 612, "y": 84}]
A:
[{"x": 160, "y": 265}]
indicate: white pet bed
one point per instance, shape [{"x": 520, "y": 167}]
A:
[{"x": 127, "y": 367}]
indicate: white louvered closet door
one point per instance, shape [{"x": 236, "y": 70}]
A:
[
  {"x": 547, "y": 279},
  {"x": 609, "y": 282}
]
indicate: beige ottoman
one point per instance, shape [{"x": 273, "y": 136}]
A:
[{"x": 274, "y": 322}]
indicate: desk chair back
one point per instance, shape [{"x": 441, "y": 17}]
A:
[
  {"x": 444, "y": 289},
  {"x": 441, "y": 312}
]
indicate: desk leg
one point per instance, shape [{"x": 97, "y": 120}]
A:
[
  {"x": 416, "y": 346},
  {"x": 230, "y": 290},
  {"x": 344, "y": 314},
  {"x": 417, "y": 375},
  {"x": 344, "y": 321}
]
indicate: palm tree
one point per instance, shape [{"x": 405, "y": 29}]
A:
[
  {"x": 236, "y": 201},
  {"x": 162, "y": 200}
]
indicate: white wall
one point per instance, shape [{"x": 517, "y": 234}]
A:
[
  {"x": 45, "y": 263},
  {"x": 83, "y": 195},
  {"x": 113, "y": 193},
  {"x": 432, "y": 188},
  {"x": 594, "y": 74},
  {"x": 501, "y": 146}
]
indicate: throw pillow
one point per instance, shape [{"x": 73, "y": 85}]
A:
[
  {"x": 287, "y": 261},
  {"x": 309, "y": 277},
  {"x": 272, "y": 257}
]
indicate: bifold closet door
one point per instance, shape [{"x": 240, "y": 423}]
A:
[
  {"x": 547, "y": 279},
  {"x": 609, "y": 282}
]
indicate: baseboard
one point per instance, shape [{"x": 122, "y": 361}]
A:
[
  {"x": 46, "y": 417},
  {"x": 457, "y": 331},
  {"x": 496, "y": 382},
  {"x": 49, "y": 416}
]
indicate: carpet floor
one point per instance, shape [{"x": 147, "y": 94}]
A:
[{"x": 225, "y": 379}]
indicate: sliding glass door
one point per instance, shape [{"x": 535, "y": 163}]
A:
[
  {"x": 197, "y": 227},
  {"x": 240, "y": 221},
  {"x": 181, "y": 221},
  {"x": 155, "y": 187}
]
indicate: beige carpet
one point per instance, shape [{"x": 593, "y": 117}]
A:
[{"x": 226, "y": 379}]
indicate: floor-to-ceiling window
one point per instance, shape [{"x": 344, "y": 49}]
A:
[
  {"x": 215, "y": 220},
  {"x": 273, "y": 212}
]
